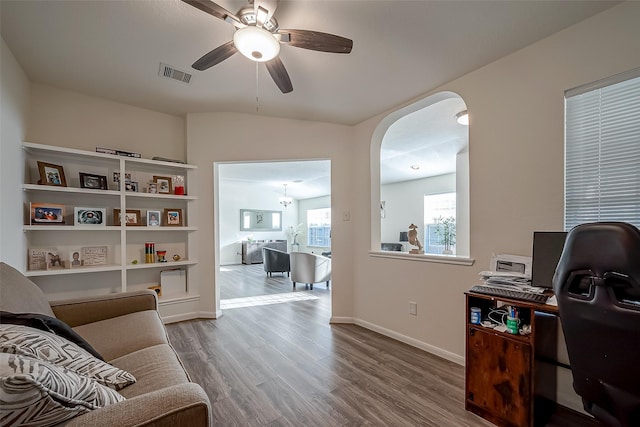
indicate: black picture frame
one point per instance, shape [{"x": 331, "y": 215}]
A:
[{"x": 93, "y": 182}]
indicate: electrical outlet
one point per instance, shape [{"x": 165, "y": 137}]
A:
[{"x": 413, "y": 308}]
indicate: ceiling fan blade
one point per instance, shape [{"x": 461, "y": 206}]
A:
[
  {"x": 215, "y": 10},
  {"x": 279, "y": 75},
  {"x": 315, "y": 40},
  {"x": 216, "y": 56}
]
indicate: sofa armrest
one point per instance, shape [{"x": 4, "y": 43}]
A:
[
  {"x": 181, "y": 405},
  {"x": 80, "y": 311}
]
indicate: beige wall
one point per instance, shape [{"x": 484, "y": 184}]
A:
[
  {"x": 14, "y": 104},
  {"x": 231, "y": 137},
  {"x": 516, "y": 175},
  {"x": 516, "y": 170},
  {"x": 74, "y": 120}
]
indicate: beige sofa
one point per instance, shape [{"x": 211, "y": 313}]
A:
[{"x": 127, "y": 331}]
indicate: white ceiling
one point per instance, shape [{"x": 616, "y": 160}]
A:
[{"x": 112, "y": 49}]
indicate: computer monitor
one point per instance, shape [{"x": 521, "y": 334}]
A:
[{"x": 547, "y": 248}]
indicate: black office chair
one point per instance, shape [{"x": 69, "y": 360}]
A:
[{"x": 597, "y": 283}]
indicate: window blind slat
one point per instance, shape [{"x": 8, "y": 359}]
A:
[{"x": 602, "y": 153}]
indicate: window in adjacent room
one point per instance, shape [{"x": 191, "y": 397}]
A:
[
  {"x": 319, "y": 227},
  {"x": 602, "y": 151},
  {"x": 440, "y": 223}
]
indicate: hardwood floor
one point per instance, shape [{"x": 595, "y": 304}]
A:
[{"x": 283, "y": 364}]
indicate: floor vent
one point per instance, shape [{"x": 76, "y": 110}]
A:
[{"x": 171, "y": 73}]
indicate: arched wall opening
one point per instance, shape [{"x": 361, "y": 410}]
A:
[{"x": 417, "y": 152}]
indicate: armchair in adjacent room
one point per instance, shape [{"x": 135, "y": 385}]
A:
[
  {"x": 276, "y": 261},
  {"x": 597, "y": 284},
  {"x": 309, "y": 269}
]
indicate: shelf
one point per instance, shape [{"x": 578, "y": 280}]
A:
[
  {"x": 74, "y": 190},
  {"x": 168, "y": 264},
  {"x": 160, "y": 196},
  {"x": 63, "y": 271},
  {"x": 123, "y": 241},
  {"x": 160, "y": 228},
  {"x": 75, "y": 152},
  {"x": 70, "y": 228}
]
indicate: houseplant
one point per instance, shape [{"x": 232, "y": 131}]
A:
[{"x": 446, "y": 233}]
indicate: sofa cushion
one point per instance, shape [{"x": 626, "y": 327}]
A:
[
  {"x": 34, "y": 392},
  {"x": 48, "y": 324},
  {"x": 121, "y": 335},
  {"x": 19, "y": 294},
  {"x": 30, "y": 342},
  {"x": 155, "y": 367}
]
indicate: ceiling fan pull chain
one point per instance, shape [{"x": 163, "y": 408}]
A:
[{"x": 257, "y": 98}]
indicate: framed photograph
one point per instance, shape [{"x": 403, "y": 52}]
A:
[
  {"x": 94, "y": 182},
  {"x": 153, "y": 218},
  {"x": 75, "y": 258},
  {"x": 116, "y": 177},
  {"x": 131, "y": 186},
  {"x": 164, "y": 184},
  {"x": 38, "y": 258},
  {"x": 54, "y": 261},
  {"x": 152, "y": 188},
  {"x": 173, "y": 217},
  {"x": 47, "y": 213},
  {"x": 51, "y": 174},
  {"x": 94, "y": 255},
  {"x": 131, "y": 217},
  {"x": 93, "y": 217}
]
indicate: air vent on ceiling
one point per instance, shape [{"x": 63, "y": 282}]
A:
[{"x": 171, "y": 73}]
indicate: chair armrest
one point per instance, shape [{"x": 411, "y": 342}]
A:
[
  {"x": 181, "y": 405},
  {"x": 80, "y": 311}
]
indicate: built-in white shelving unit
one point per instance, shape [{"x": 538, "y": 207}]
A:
[{"x": 126, "y": 268}]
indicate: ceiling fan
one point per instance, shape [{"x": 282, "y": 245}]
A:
[{"x": 258, "y": 37}]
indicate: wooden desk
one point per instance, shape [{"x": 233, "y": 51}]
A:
[{"x": 499, "y": 384}]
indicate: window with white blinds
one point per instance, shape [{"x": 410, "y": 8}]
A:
[{"x": 602, "y": 151}]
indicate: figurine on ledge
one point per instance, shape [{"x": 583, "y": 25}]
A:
[{"x": 414, "y": 241}]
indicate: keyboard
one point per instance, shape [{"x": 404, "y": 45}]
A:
[{"x": 510, "y": 293}]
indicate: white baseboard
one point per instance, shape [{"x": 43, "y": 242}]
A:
[
  {"x": 452, "y": 357},
  {"x": 349, "y": 320},
  {"x": 189, "y": 316}
]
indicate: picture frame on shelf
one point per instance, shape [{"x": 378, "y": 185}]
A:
[
  {"x": 164, "y": 184},
  {"x": 37, "y": 258},
  {"x": 94, "y": 255},
  {"x": 154, "y": 218},
  {"x": 89, "y": 217},
  {"x": 116, "y": 177},
  {"x": 54, "y": 260},
  {"x": 152, "y": 188},
  {"x": 132, "y": 217},
  {"x": 47, "y": 213},
  {"x": 131, "y": 186},
  {"x": 93, "y": 182},
  {"x": 51, "y": 174},
  {"x": 75, "y": 258},
  {"x": 173, "y": 217}
]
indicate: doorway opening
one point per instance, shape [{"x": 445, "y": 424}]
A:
[{"x": 270, "y": 206}]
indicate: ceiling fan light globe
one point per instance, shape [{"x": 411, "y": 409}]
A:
[{"x": 256, "y": 43}]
